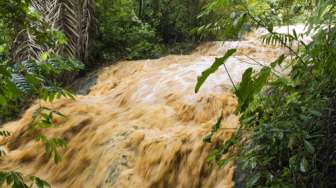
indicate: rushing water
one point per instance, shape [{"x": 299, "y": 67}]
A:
[{"x": 142, "y": 125}]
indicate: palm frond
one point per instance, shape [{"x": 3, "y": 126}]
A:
[
  {"x": 25, "y": 47},
  {"x": 75, "y": 18},
  {"x": 278, "y": 39},
  {"x": 68, "y": 22},
  {"x": 49, "y": 9},
  {"x": 87, "y": 28}
]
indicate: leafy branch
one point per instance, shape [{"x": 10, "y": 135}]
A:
[{"x": 213, "y": 68}]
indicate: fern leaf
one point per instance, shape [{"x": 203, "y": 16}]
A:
[
  {"x": 278, "y": 39},
  {"x": 21, "y": 83}
]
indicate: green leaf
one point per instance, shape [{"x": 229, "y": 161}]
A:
[
  {"x": 224, "y": 162},
  {"x": 244, "y": 88},
  {"x": 214, "y": 129},
  {"x": 213, "y": 155},
  {"x": 316, "y": 113},
  {"x": 261, "y": 79},
  {"x": 304, "y": 165},
  {"x": 44, "y": 56},
  {"x": 41, "y": 183},
  {"x": 21, "y": 83},
  {"x": 291, "y": 141},
  {"x": 309, "y": 147},
  {"x": 4, "y": 71},
  {"x": 278, "y": 61},
  {"x": 3, "y": 100},
  {"x": 250, "y": 86},
  {"x": 229, "y": 143},
  {"x": 3, "y": 177},
  {"x": 238, "y": 23},
  {"x": 218, "y": 62},
  {"x": 292, "y": 98},
  {"x": 253, "y": 179},
  {"x": 4, "y": 133}
]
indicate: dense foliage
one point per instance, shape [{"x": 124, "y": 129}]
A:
[
  {"x": 30, "y": 66},
  {"x": 122, "y": 33},
  {"x": 30, "y": 63},
  {"x": 136, "y": 29},
  {"x": 288, "y": 122}
]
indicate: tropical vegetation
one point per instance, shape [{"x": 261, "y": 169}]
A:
[{"x": 287, "y": 122}]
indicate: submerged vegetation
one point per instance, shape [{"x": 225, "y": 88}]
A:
[{"x": 287, "y": 121}]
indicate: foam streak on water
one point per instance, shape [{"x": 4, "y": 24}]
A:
[{"x": 142, "y": 125}]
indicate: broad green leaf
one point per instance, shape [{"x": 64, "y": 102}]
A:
[
  {"x": 244, "y": 87},
  {"x": 261, "y": 79},
  {"x": 218, "y": 62},
  {"x": 250, "y": 86}
]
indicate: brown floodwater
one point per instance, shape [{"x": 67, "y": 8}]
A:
[{"x": 141, "y": 124}]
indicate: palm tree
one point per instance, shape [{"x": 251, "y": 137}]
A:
[{"x": 75, "y": 18}]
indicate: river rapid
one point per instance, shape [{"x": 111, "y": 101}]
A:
[{"x": 141, "y": 124}]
